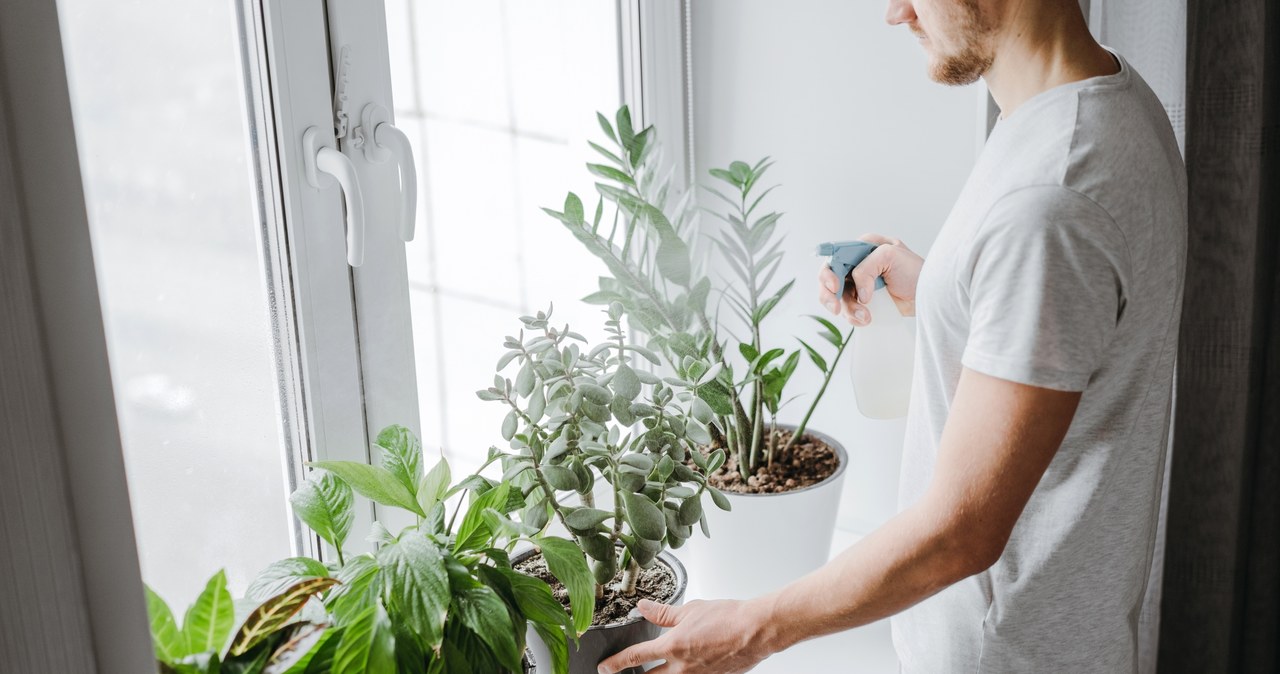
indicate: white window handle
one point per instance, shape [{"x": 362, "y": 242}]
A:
[
  {"x": 382, "y": 142},
  {"x": 324, "y": 160}
]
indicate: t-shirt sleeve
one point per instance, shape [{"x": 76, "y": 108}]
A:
[{"x": 1048, "y": 272}]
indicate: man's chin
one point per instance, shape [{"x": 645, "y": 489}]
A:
[{"x": 955, "y": 72}]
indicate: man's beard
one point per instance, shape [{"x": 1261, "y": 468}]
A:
[{"x": 974, "y": 56}]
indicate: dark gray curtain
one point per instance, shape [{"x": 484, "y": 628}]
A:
[{"x": 1221, "y": 607}]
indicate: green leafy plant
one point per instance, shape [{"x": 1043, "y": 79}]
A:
[
  {"x": 266, "y": 637},
  {"x": 578, "y": 414},
  {"x": 650, "y": 247},
  {"x": 438, "y": 596}
]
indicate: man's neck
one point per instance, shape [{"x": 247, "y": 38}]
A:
[{"x": 1040, "y": 48}]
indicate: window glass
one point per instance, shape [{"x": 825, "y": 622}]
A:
[
  {"x": 499, "y": 98},
  {"x": 172, "y": 196}
]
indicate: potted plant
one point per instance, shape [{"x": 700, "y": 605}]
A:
[
  {"x": 439, "y": 596},
  {"x": 582, "y": 418},
  {"x": 783, "y": 482}
]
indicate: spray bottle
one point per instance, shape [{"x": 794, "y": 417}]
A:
[{"x": 884, "y": 351}]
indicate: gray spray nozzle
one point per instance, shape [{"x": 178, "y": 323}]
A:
[{"x": 845, "y": 255}]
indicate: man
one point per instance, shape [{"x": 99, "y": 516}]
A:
[{"x": 1046, "y": 332}]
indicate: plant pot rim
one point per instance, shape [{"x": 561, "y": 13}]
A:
[
  {"x": 842, "y": 458},
  {"x": 682, "y": 583}
]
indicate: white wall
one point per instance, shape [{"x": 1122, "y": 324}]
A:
[{"x": 863, "y": 141}]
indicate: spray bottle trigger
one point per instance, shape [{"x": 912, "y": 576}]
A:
[{"x": 845, "y": 255}]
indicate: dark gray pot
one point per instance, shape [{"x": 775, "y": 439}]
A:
[{"x": 601, "y": 642}]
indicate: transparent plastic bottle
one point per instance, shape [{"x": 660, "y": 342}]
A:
[
  {"x": 883, "y": 358},
  {"x": 884, "y": 351}
]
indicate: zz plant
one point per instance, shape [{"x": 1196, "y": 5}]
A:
[
  {"x": 579, "y": 414},
  {"x": 650, "y": 245}
]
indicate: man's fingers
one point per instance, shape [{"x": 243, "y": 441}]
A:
[
  {"x": 634, "y": 657},
  {"x": 828, "y": 286},
  {"x": 858, "y": 314},
  {"x": 864, "y": 275},
  {"x": 662, "y": 615}
]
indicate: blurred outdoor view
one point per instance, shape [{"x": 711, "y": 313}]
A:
[
  {"x": 498, "y": 98},
  {"x": 157, "y": 99}
]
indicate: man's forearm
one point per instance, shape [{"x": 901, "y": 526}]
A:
[{"x": 903, "y": 562}]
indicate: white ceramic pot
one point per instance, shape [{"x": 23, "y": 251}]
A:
[{"x": 767, "y": 540}]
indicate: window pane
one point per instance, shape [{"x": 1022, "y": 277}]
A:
[
  {"x": 172, "y": 194},
  {"x": 499, "y": 98}
]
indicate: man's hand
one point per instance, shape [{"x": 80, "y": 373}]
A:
[
  {"x": 900, "y": 268},
  {"x": 706, "y": 637}
]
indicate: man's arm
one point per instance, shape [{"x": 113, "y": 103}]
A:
[{"x": 999, "y": 439}]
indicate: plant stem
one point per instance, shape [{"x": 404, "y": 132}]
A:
[
  {"x": 630, "y": 577},
  {"x": 817, "y": 398}
]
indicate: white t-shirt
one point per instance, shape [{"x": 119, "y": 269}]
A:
[{"x": 1060, "y": 266}]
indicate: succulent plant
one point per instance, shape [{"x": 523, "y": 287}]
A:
[{"x": 579, "y": 414}]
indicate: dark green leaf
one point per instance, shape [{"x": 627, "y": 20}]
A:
[
  {"x": 401, "y": 455},
  {"x": 832, "y": 333},
  {"x": 417, "y": 585},
  {"x": 557, "y": 643},
  {"x": 484, "y": 613},
  {"x": 366, "y": 645},
  {"x": 567, "y": 563},
  {"x": 306, "y": 644},
  {"x": 474, "y": 532},
  {"x": 324, "y": 503},
  {"x": 360, "y": 585},
  {"x": 817, "y": 358},
  {"x": 374, "y": 483}
]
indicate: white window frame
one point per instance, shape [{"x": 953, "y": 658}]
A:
[{"x": 345, "y": 353}]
